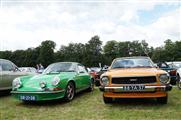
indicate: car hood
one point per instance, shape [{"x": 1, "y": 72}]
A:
[
  {"x": 32, "y": 83},
  {"x": 127, "y": 72}
]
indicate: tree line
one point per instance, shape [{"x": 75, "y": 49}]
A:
[{"x": 93, "y": 52}]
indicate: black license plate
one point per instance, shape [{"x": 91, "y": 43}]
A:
[
  {"x": 28, "y": 98},
  {"x": 134, "y": 88}
]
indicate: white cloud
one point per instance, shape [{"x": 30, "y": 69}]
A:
[{"x": 23, "y": 26}]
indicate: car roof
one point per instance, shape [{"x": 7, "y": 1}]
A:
[
  {"x": 67, "y": 62},
  {"x": 5, "y": 60},
  {"x": 133, "y": 57}
]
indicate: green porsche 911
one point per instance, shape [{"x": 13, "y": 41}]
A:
[{"x": 59, "y": 80}]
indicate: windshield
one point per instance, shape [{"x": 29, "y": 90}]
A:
[
  {"x": 60, "y": 67},
  {"x": 175, "y": 65},
  {"x": 95, "y": 69},
  {"x": 132, "y": 63}
]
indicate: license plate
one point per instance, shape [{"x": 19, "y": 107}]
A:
[
  {"x": 28, "y": 98},
  {"x": 134, "y": 88}
]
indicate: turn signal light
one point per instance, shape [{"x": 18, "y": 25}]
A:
[{"x": 56, "y": 89}]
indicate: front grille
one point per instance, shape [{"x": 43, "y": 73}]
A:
[{"x": 134, "y": 80}]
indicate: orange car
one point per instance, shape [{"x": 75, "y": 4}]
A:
[{"x": 135, "y": 77}]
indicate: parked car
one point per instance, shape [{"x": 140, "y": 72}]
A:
[
  {"x": 8, "y": 72},
  {"x": 28, "y": 69},
  {"x": 98, "y": 75},
  {"x": 177, "y": 65},
  {"x": 172, "y": 71},
  {"x": 59, "y": 80},
  {"x": 134, "y": 77},
  {"x": 93, "y": 71}
]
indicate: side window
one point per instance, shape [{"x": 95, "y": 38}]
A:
[
  {"x": 0, "y": 68},
  {"x": 81, "y": 69},
  {"x": 7, "y": 66}
]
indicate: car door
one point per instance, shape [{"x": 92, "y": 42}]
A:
[
  {"x": 84, "y": 76},
  {"x": 7, "y": 69},
  {"x": 8, "y": 74}
]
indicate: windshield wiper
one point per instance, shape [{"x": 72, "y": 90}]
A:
[
  {"x": 142, "y": 67},
  {"x": 53, "y": 72},
  {"x": 118, "y": 67},
  {"x": 69, "y": 71}
]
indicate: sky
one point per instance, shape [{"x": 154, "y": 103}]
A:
[{"x": 26, "y": 23}]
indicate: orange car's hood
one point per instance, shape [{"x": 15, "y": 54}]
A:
[{"x": 124, "y": 72}]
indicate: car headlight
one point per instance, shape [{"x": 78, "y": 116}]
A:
[
  {"x": 16, "y": 83},
  {"x": 105, "y": 80},
  {"x": 55, "y": 81},
  {"x": 164, "y": 78},
  {"x": 42, "y": 84}
]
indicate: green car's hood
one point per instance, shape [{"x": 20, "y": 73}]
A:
[{"x": 32, "y": 83}]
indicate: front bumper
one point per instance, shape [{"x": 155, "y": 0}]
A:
[
  {"x": 147, "y": 89},
  {"x": 38, "y": 95}
]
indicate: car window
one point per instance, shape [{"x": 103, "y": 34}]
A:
[
  {"x": 132, "y": 62},
  {"x": 60, "y": 67},
  {"x": 82, "y": 69},
  {"x": 0, "y": 68},
  {"x": 6, "y": 66}
]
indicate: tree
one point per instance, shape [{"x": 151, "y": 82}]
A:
[
  {"x": 46, "y": 55},
  {"x": 93, "y": 52}
]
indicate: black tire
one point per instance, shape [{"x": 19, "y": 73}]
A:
[
  {"x": 91, "y": 87},
  {"x": 70, "y": 92},
  {"x": 97, "y": 83},
  {"x": 162, "y": 100},
  {"x": 107, "y": 100},
  {"x": 178, "y": 82}
]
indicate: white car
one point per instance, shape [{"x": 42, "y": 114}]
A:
[
  {"x": 177, "y": 65},
  {"x": 28, "y": 69}
]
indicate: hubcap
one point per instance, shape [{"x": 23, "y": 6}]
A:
[{"x": 70, "y": 91}]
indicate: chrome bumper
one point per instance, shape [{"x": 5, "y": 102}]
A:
[
  {"x": 146, "y": 89},
  {"x": 36, "y": 92}
]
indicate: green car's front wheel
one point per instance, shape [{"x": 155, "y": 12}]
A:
[
  {"x": 91, "y": 87},
  {"x": 70, "y": 92}
]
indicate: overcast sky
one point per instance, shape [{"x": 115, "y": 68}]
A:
[{"x": 26, "y": 23}]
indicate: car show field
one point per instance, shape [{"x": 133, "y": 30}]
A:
[{"x": 90, "y": 106}]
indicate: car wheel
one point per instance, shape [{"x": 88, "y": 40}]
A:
[
  {"x": 70, "y": 92},
  {"x": 97, "y": 83},
  {"x": 91, "y": 88},
  {"x": 178, "y": 82},
  {"x": 162, "y": 100},
  {"x": 107, "y": 100}
]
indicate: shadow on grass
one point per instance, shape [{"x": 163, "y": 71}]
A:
[
  {"x": 5, "y": 93},
  {"x": 144, "y": 102}
]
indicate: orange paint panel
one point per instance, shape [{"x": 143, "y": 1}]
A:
[{"x": 135, "y": 95}]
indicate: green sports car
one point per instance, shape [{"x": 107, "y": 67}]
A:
[{"x": 59, "y": 80}]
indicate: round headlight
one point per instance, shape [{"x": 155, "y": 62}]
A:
[
  {"x": 105, "y": 81},
  {"x": 17, "y": 83},
  {"x": 42, "y": 84},
  {"x": 55, "y": 81},
  {"x": 164, "y": 78}
]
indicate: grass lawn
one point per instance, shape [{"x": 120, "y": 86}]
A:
[{"x": 90, "y": 106}]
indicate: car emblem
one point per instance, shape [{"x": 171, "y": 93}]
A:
[{"x": 133, "y": 80}]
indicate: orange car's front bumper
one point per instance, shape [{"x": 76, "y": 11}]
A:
[
  {"x": 148, "y": 92},
  {"x": 135, "y": 95}
]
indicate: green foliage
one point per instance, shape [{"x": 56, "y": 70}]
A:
[
  {"x": 171, "y": 51},
  {"x": 46, "y": 55},
  {"x": 92, "y": 53}
]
